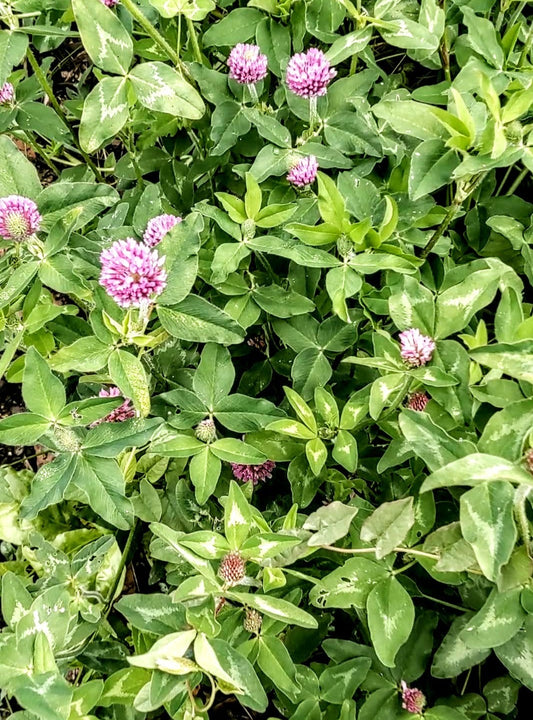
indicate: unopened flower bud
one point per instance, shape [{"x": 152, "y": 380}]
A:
[
  {"x": 205, "y": 431},
  {"x": 232, "y": 568},
  {"x": 248, "y": 229},
  {"x": 252, "y": 621}
]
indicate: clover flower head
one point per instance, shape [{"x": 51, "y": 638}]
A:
[
  {"x": 416, "y": 349},
  {"x": 247, "y": 64},
  {"x": 252, "y": 621},
  {"x": 417, "y": 401},
  {"x": 309, "y": 73},
  {"x": 132, "y": 274},
  {"x": 19, "y": 217},
  {"x": 110, "y": 3},
  {"x": 253, "y": 473},
  {"x": 119, "y": 414},
  {"x": 413, "y": 700},
  {"x": 158, "y": 227},
  {"x": 303, "y": 172},
  {"x": 232, "y": 568},
  {"x": 7, "y": 94},
  {"x": 206, "y": 431}
]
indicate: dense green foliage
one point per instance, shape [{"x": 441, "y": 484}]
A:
[{"x": 391, "y": 546}]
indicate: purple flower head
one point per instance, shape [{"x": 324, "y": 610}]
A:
[
  {"x": 413, "y": 700},
  {"x": 119, "y": 414},
  {"x": 416, "y": 349},
  {"x": 253, "y": 473},
  {"x": 110, "y": 3},
  {"x": 132, "y": 273},
  {"x": 247, "y": 64},
  {"x": 309, "y": 73},
  {"x": 19, "y": 217},
  {"x": 158, "y": 227},
  {"x": 303, "y": 172},
  {"x": 418, "y": 401},
  {"x": 7, "y": 94}
]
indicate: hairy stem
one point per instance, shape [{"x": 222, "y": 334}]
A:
[
  {"x": 150, "y": 30},
  {"x": 194, "y": 41},
  {"x": 43, "y": 82}
]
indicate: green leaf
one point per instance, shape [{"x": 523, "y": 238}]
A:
[
  {"x": 107, "y": 440},
  {"x": 166, "y": 653},
  {"x": 338, "y": 682},
  {"x": 329, "y": 523},
  {"x": 105, "y": 38},
  {"x": 214, "y": 376},
  {"x": 516, "y": 654},
  {"x": 275, "y": 661},
  {"x": 476, "y": 469},
  {"x": 487, "y": 524},
  {"x": 100, "y": 483},
  {"x": 123, "y": 686},
  {"x": 268, "y": 127},
  {"x": 237, "y": 517},
  {"x": 127, "y": 372},
  {"x": 310, "y": 369},
  {"x": 276, "y": 608},
  {"x": 43, "y": 393},
  {"x": 155, "y": 613},
  {"x": 237, "y": 451},
  {"x": 501, "y": 694},
  {"x": 241, "y": 413},
  {"x": 431, "y": 167},
  {"x": 457, "y": 305},
  {"x": 218, "y": 658},
  {"x": 330, "y": 201},
  {"x": 192, "y": 9},
  {"x": 88, "y": 354},
  {"x": 22, "y": 429},
  {"x": 237, "y": 27},
  {"x": 389, "y": 525},
  {"x": 483, "y": 38},
  {"x": 498, "y": 621},
  {"x": 49, "y": 485},
  {"x": 349, "y": 44},
  {"x": 228, "y": 125},
  {"x": 411, "y": 118},
  {"x": 172, "y": 444},
  {"x": 342, "y": 283},
  {"x": 282, "y": 303},
  {"x": 197, "y": 320},
  {"x": 345, "y": 451},
  {"x": 316, "y": 454},
  {"x": 513, "y": 359},
  {"x": 391, "y": 615},
  {"x": 46, "y": 695},
  {"x": 453, "y": 656},
  {"x": 17, "y": 175},
  {"x": 159, "y": 87},
  {"x": 204, "y": 471},
  {"x": 105, "y": 112},
  {"x": 430, "y": 442},
  {"x": 349, "y": 585},
  {"x": 12, "y": 50}
]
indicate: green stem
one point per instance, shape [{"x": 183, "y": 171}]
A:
[
  {"x": 517, "y": 182},
  {"x": 464, "y": 190},
  {"x": 517, "y": 13},
  {"x": 369, "y": 551},
  {"x": 505, "y": 178},
  {"x": 43, "y": 82},
  {"x": 194, "y": 41},
  {"x": 40, "y": 151},
  {"x": 521, "y": 516},
  {"x": 150, "y": 30},
  {"x": 123, "y": 561},
  {"x": 445, "y": 603}
]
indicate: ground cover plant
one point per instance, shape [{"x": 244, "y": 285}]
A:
[{"x": 267, "y": 359}]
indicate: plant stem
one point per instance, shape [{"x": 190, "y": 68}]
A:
[
  {"x": 313, "y": 114},
  {"x": 30, "y": 140},
  {"x": 464, "y": 190},
  {"x": 150, "y": 30},
  {"x": 194, "y": 41},
  {"x": 517, "y": 182},
  {"x": 369, "y": 551},
  {"x": 445, "y": 603},
  {"x": 43, "y": 82},
  {"x": 123, "y": 561}
]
